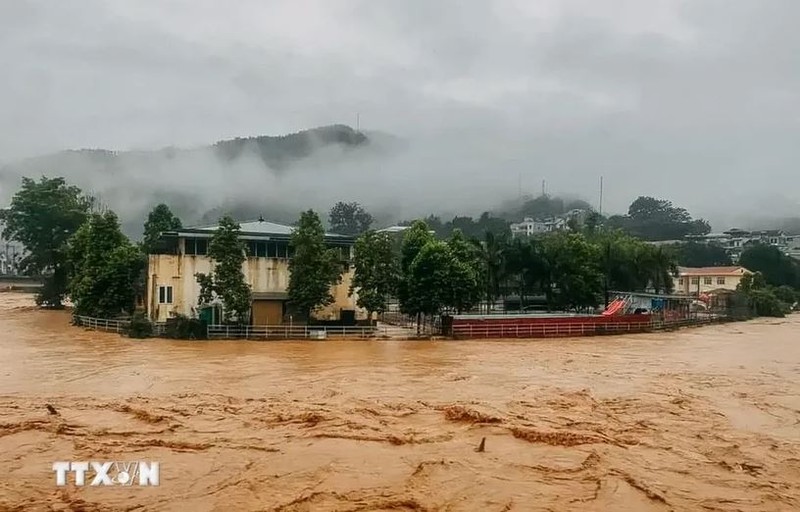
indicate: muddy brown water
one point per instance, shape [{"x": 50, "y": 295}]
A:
[{"x": 702, "y": 419}]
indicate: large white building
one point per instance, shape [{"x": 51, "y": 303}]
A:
[{"x": 172, "y": 286}]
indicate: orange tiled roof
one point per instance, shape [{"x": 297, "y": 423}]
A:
[{"x": 712, "y": 271}]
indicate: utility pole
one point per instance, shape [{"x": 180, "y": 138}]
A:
[
  {"x": 519, "y": 186},
  {"x": 600, "y": 205},
  {"x": 358, "y": 122},
  {"x": 544, "y": 189}
]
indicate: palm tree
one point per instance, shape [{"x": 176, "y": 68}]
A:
[
  {"x": 492, "y": 255},
  {"x": 656, "y": 266}
]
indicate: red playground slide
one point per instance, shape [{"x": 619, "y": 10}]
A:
[{"x": 614, "y": 308}]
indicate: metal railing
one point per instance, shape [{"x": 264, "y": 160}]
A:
[
  {"x": 283, "y": 332},
  {"x": 102, "y": 324},
  {"x": 553, "y": 330},
  {"x": 430, "y": 324},
  {"x": 119, "y": 325}
]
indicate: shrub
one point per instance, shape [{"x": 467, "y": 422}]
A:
[
  {"x": 140, "y": 327},
  {"x": 786, "y": 294},
  {"x": 765, "y": 303},
  {"x": 185, "y": 328}
]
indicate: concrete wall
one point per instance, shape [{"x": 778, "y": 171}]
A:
[{"x": 262, "y": 274}]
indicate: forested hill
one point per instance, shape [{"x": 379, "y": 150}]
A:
[{"x": 279, "y": 151}]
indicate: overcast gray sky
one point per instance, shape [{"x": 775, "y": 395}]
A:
[{"x": 697, "y": 100}]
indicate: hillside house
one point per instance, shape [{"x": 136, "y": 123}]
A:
[{"x": 697, "y": 280}]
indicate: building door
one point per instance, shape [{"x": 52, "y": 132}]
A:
[
  {"x": 267, "y": 312},
  {"x": 210, "y": 315}
]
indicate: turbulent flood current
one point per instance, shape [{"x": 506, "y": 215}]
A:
[{"x": 700, "y": 419}]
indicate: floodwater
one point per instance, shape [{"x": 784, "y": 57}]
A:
[{"x": 703, "y": 419}]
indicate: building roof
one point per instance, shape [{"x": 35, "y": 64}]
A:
[
  {"x": 393, "y": 229},
  {"x": 255, "y": 229},
  {"x": 712, "y": 271}
]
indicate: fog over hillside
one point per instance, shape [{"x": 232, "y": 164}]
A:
[{"x": 463, "y": 104}]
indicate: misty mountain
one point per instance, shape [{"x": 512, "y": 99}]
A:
[
  {"x": 279, "y": 152},
  {"x": 248, "y": 177}
]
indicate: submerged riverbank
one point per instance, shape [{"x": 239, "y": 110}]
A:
[{"x": 701, "y": 419}]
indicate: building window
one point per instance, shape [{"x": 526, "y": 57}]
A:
[
  {"x": 165, "y": 295},
  {"x": 720, "y": 280},
  {"x": 695, "y": 280},
  {"x": 680, "y": 281},
  {"x": 707, "y": 280},
  {"x": 195, "y": 246}
]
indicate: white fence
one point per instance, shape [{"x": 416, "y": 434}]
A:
[
  {"x": 119, "y": 325},
  {"x": 263, "y": 332},
  {"x": 102, "y": 324},
  {"x": 252, "y": 332}
]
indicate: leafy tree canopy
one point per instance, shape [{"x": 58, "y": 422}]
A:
[
  {"x": 349, "y": 219},
  {"x": 377, "y": 271},
  {"x": 227, "y": 282},
  {"x": 105, "y": 268},
  {"x": 657, "y": 219},
  {"x": 314, "y": 268},
  {"x": 43, "y": 215},
  {"x": 777, "y": 268},
  {"x": 160, "y": 219},
  {"x": 693, "y": 254}
]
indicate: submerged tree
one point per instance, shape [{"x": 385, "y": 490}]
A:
[
  {"x": 414, "y": 239},
  {"x": 43, "y": 215},
  {"x": 313, "y": 268},
  {"x": 574, "y": 275},
  {"x": 377, "y": 271},
  {"x": 105, "y": 268},
  {"x": 226, "y": 281},
  {"x": 465, "y": 283},
  {"x": 492, "y": 255}
]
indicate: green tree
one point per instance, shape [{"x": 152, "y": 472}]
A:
[
  {"x": 314, "y": 268},
  {"x": 763, "y": 302},
  {"x": 656, "y": 266},
  {"x": 429, "y": 278},
  {"x": 525, "y": 266},
  {"x": 777, "y": 268},
  {"x": 658, "y": 219},
  {"x": 491, "y": 253},
  {"x": 349, "y": 219},
  {"x": 377, "y": 271},
  {"x": 414, "y": 239},
  {"x": 43, "y": 216},
  {"x": 750, "y": 282},
  {"x": 160, "y": 219},
  {"x": 787, "y": 294},
  {"x": 575, "y": 278},
  {"x": 465, "y": 286},
  {"x": 227, "y": 282},
  {"x": 693, "y": 254},
  {"x": 105, "y": 268}
]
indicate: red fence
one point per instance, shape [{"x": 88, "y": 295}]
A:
[{"x": 547, "y": 327}]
